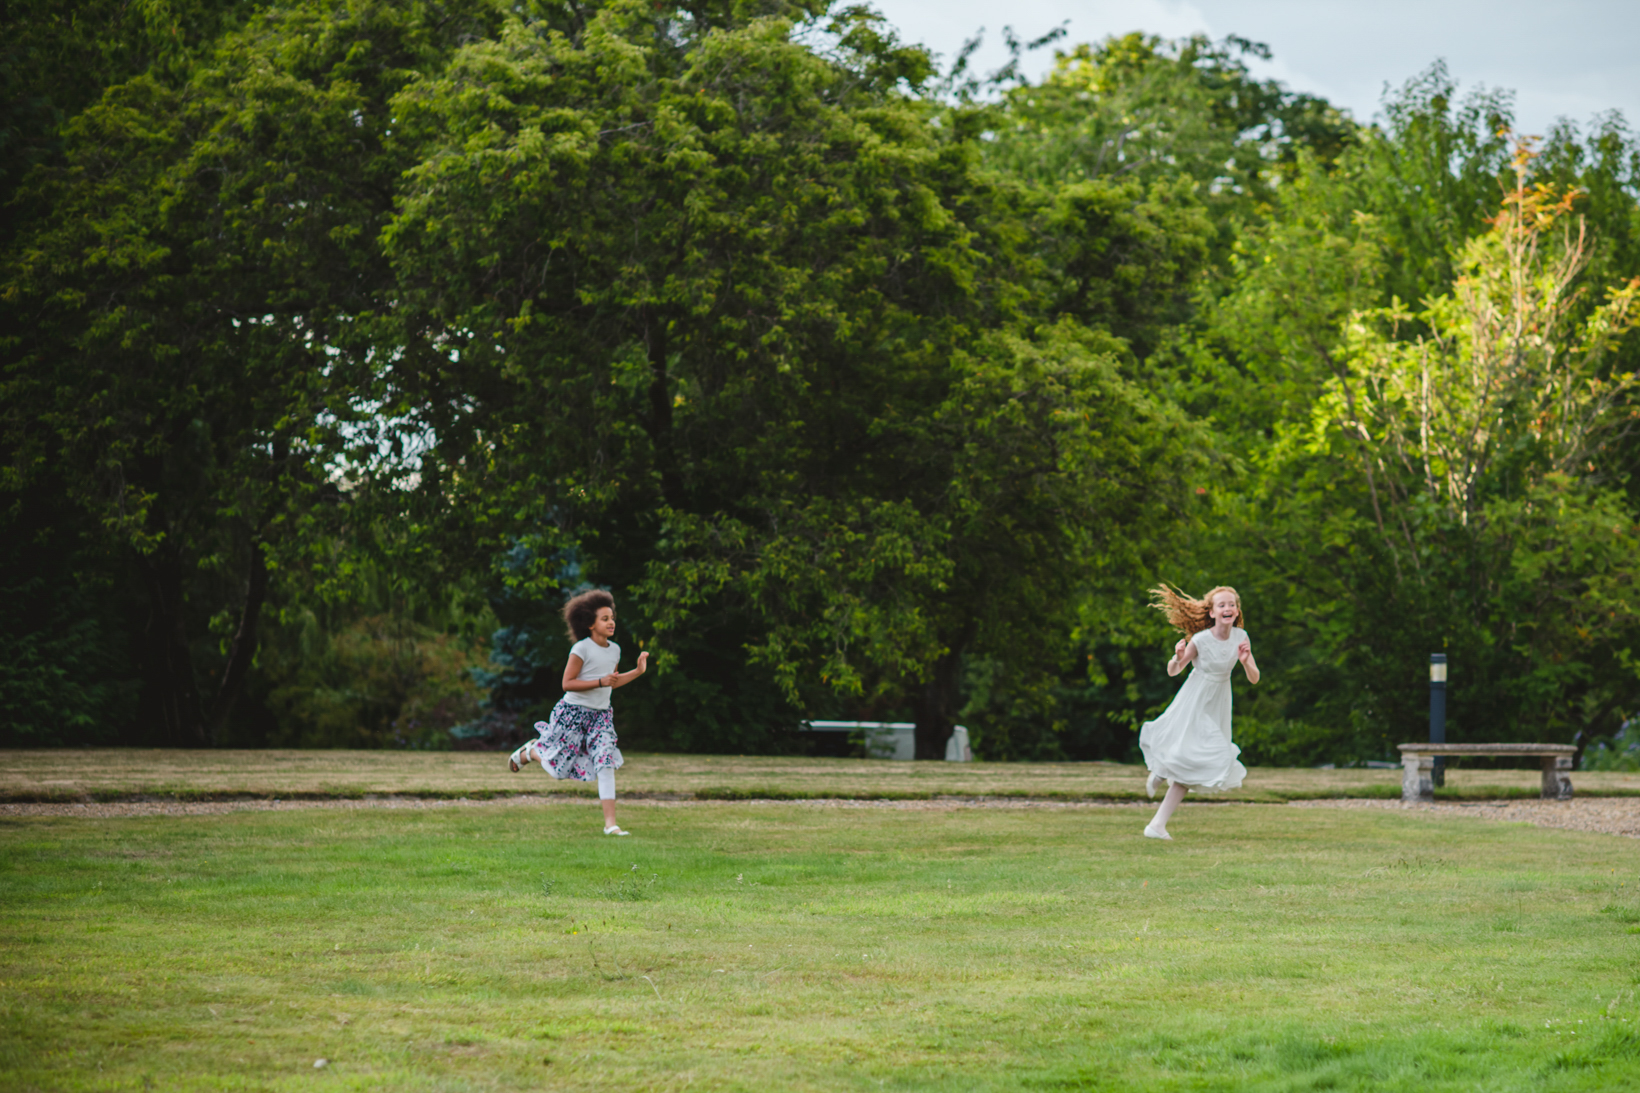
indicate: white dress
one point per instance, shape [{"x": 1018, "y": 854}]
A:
[{"x": 1190, "y": 742}]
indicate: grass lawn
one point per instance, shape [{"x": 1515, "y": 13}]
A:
[{"x": 796, "y": 946}]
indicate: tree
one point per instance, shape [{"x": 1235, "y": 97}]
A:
[
  {"x": 718, "y": 308},
  {"x": 58, "y": 56},
  {"x": 181, "y": 360},
  {"x": 1510, "y": 384},
  {"x": 1141, "y": 107},
  {"x": 1452, "y": 489},
  {"x": 1040, "y": 469}
]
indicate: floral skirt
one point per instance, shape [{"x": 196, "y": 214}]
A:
[{"x": 578, "y": 742}]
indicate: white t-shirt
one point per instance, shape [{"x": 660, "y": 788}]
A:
[{"x": 597, "y": 661}]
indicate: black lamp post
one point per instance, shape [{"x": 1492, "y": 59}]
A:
[{"x": 1437, "y": 713}]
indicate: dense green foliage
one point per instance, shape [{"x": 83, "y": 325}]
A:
[{"x": 342, "y": 340}]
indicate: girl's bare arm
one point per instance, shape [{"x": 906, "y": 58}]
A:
[
  {"x": 621, "y": 679},
  {"x": 1183, "y": 654},
  {"x": 1244, "y": 653},
  {"x": 573, "y": 680}
]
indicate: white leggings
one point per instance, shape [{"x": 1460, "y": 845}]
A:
[{"x": 606, "y": 784}]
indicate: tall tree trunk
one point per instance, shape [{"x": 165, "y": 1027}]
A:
[
  {"x": 660, "y": 408},
  {"x": 935, "y": 704},
  {"x": 243, "y": 649},
  {"x": 170, "y": 699}
]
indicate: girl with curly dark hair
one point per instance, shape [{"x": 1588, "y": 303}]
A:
[
  {"x": 1189, "y": 745},
  {"x": 578, "y": 741}
]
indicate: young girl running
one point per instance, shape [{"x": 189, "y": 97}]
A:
[
  {"x": 579, "y": 741},
  {"x": 1189, "y": 745}
]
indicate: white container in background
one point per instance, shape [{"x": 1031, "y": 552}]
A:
[{"x": 896, "y": 739}]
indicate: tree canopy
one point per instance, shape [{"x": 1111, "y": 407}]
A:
[{"x": 342, "y": 341}]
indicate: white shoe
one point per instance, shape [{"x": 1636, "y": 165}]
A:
[
  {"x": 517, "y": 760},
  {"x": 614, "y": 829},
  {"x": 1150, "y": 784},
  {"x": 1152, "y": 832}
]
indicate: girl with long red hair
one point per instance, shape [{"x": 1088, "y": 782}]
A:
[{"x": 1189, "y": 745}]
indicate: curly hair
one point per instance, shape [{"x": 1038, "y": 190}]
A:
[
  {"x": 1191, "y": 616},
  {"x": 582, "y": 611}
]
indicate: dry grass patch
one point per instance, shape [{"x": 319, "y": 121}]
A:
[{"x": 105, "y": 774}]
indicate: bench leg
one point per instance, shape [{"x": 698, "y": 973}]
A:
[
  {"x": 1418, "y": 778},
  {"x": 1557, "y": 779}
]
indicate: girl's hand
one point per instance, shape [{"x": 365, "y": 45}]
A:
[
  {"x": 1244, "y": 653},
  {"x": 643, "y": 662},
  {"x": 611, "y": 680}
]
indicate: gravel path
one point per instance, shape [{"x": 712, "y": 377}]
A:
[
  {"x": 123, "y": 809},
  {"x": 119, "y": 809},
  {"x": 1605, "y": 815}
]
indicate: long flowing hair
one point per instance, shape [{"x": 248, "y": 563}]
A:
[{"x": 1187, "y": 615}]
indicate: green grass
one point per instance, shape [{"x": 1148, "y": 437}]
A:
[{"x": 793, "y": 947}]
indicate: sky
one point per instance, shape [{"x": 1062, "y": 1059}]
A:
[{"x": 1571, "y": 58}]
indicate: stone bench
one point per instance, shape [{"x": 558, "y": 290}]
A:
[{"x": 1418, "y": 766}]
